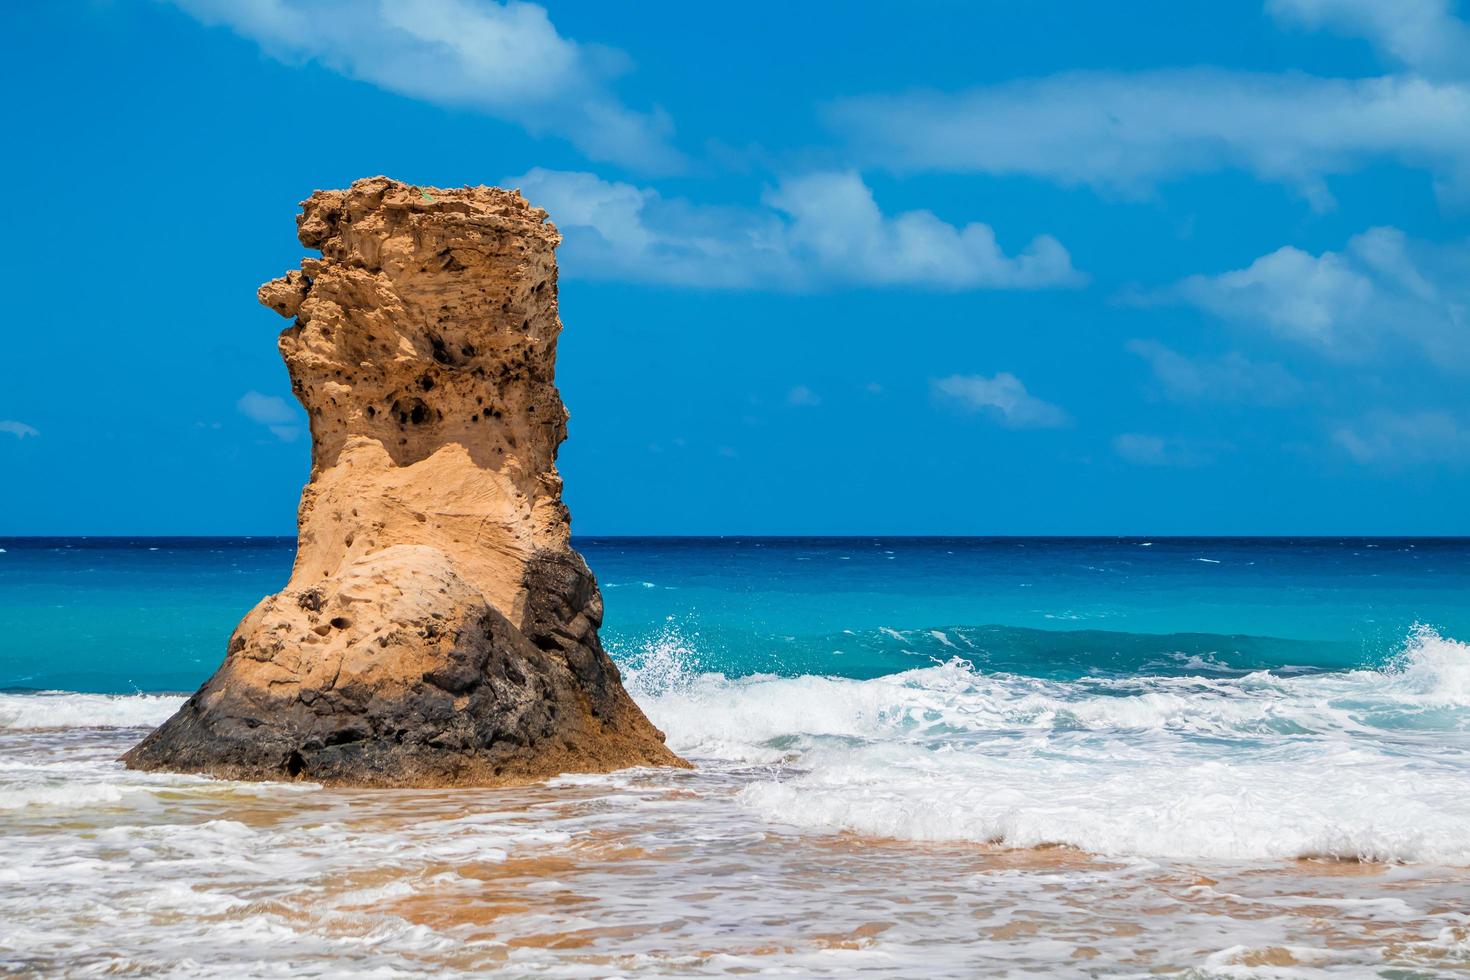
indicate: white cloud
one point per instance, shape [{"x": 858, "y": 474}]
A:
[
  {"x": 1302, "y": 296},
  {"x": 1126, "y": 132},
  {"x": 818, "y": 230},
  {"x": 618, "y": 231},
  {"x": 1421, "y": 34},
  {"x": 1232, "y": 377},
  {"x": 1382, "y": 287},
  {"x": 1405, "y": 438},
  {"x": 836, "y": 221},
  {"x": 266, "y": 409},
  {"x": 1151, "y": 450},
  {"x": 274, "y": 413},
  {"x": 18, "y": 429},
  {"x": 803, "y": 397},
  {"x": 1003, "y": 397},
  {"x": 504, "y": 59}
]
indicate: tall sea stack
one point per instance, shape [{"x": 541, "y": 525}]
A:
[{"x": 438, "y": 628}]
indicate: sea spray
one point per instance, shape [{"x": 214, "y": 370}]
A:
[
  {"x": 1431, "y": 670},
  {"x": 665, "y": 663}
]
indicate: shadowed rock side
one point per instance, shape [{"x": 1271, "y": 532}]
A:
[{"x": 438, "y": 628}]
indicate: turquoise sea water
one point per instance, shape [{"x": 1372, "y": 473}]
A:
[
  {"x": 124, "y": 615},
  {"x": 914, "y": 757}
]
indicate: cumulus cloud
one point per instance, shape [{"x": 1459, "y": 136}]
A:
[
  {"x": 1231, "y": 378},
  {"x": 1302, "y": 296},
  {"x": 1397, "y": 438},
  {"x": 1424, "y": 35},
  {"x": 1382, "y": 286},
  {"x": 18, "y": 429},
  {"x": 814, "y": 231},
  {"x": 1126, "y": 132},
  {"x": 1151, "y": 450},
  {"x": 1002, "y": 397},
  {"x": 836, "y": 222},
  {"x": 506, "y": 60},
  {"x": 283, "y": 420}
]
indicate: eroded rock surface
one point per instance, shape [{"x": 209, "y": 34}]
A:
[{"x": 438, "y": 628}]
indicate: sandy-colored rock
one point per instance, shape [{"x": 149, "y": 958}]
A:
[{"x": 438, "y": 628}]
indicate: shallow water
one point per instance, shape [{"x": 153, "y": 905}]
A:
[
  {"x": 640, "y": 873},
  {"x": 940, "y": 788}
]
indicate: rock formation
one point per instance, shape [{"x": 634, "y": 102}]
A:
[{"x": 438, "y": 628}]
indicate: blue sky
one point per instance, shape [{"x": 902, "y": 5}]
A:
[{"x": 829, "y": 268}]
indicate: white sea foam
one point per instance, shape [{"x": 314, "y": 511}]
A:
[
  {"x": 55, "y": 709},
  {"x": 59, "y": 795},
  {"x": 1368, "y": 764},
  {"x": 113, "y": 871}
]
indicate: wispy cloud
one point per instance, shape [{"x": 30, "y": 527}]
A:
[
  {"x": 1381, "y": 286},
  {"x": 1151, "y": 450},
  {"x": 1423, "y": 35},
  {"x": 1002, "y": 397},
  {"x": 506, "y": 60},
  {"x": 283, "y": 420},
  {"x": 803, "y": 397},
  {"x": 18, "y": 429},
  {"x": 814, "y": 231},
  {"x": 1401, "y": 438},
  {"x": 1125, "y": 132},
  {"x": 1231, "y": 378}
]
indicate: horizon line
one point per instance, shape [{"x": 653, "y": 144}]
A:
[{"x": 805, "y": 537}]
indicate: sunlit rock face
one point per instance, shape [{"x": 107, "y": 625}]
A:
[{"x": 438, "y": 628}]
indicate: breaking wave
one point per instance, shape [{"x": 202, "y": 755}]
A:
[
  {"x": 1368, "y": 764},
  {"x": 58, "y": 709},
  {"x": 1201, "y": 761}
]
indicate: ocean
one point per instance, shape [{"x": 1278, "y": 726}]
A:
[{"x": 915, "y": 757}]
